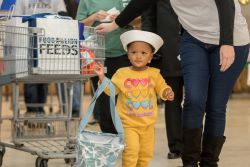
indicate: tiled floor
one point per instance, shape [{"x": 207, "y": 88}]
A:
[{"x": 236, "y": 151}]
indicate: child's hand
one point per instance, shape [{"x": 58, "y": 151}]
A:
[
  {"x": 99, "y": 70},
  {"x": 168, "y": 94}
]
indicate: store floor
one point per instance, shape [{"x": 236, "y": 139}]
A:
[{"x": 236, "y": 151}]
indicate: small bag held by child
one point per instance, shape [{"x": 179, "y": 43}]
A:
[{"x": 96, "y": 149}]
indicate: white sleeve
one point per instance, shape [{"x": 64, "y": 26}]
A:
[
  {"x": 19, "y": 8},
  {"x": 60, "y": 6}
]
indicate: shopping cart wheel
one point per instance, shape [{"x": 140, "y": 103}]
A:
[
  {"x": 2, "y": 152},
  {"x": 41, "y": 162},
  {"x": 1, "y": 158},
  {"x": 67, "y": 160},
  {"x": 2, "y": 149},
  {"x": 70, "y": 160}
]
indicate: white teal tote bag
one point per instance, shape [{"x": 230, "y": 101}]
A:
[{"x": 96, "y": 149}]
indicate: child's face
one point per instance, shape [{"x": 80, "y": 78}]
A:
[{"x": 140, "y": 54}]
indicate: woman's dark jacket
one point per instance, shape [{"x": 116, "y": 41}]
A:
[{"x": 162, "y": 20}]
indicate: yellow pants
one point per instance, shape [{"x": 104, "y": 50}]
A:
[{"x": 139, "y": 146}]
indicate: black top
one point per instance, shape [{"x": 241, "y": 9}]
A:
[
  {"x": 226, "y": 11},
  {"x": 71, "y": 6},
  {"x": 162, "y": 20}
]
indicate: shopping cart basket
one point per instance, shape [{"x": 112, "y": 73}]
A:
[{"x": 55, "y": 138}]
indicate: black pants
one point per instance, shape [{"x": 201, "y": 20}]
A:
[
  {"x": 102, "y": 109},
  {"x": 35, "y": 94},
  {"x": 173, "y": 115}
]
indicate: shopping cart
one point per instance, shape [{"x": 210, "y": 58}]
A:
[{"x": 50, "y": 135}]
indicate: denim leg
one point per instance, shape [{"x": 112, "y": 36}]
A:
[
  {"x": 61, "y": 89},
  {"x": 195, "y": 68},
  {"x": 42, "y": 92},
  {"x": 30, "y": 96},
  {"x": 76, "y": 96},
  {"x": 220, "y": 88}
]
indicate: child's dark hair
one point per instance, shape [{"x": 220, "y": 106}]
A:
[{"x": 152, "y": 48}]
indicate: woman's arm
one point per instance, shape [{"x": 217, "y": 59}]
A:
[
  {"x": 226, "y": 11},
  {"x": 148, "y": 19},
  {"x": 134, "y": 9},
  {"x": 98, "y": 16},
  {"x": 84, "y": 15},
  {"x": 88, "y": 21}
]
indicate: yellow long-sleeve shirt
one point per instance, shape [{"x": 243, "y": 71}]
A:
[{"x": 137, "y": 95}]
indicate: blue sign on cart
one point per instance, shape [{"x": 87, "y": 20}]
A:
[{"x": 6, "y": 4}]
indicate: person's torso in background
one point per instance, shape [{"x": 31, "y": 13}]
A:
[
  {"x": 113, "y": 44},
  {"x": 200, "y": 19},
  {"x": 168, "y": 27},
  {"x": 71, "y": 6},
  {"x": 29, "y": 7}
]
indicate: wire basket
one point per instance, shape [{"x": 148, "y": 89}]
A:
[{"x": 29, "y": 56}]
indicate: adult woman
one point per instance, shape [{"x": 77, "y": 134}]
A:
[{"x": 214, "y": 49}]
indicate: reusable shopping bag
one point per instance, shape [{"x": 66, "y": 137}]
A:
[
  {"x": 96, "y": 149},
  {"x": 58, "y": 48}
]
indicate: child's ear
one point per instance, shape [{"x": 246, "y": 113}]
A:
[{"x": 149, "y": 61}]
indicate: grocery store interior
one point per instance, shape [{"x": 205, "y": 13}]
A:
[{"x": 15, "y": 133}]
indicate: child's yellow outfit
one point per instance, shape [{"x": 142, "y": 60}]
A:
[{"x": 137, "y": 106}]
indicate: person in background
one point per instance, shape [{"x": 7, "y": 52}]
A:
[
  {"x": 214, "y": 49},
  {"x": 92, "y": 13},
  {"x": 162, "y": 20},
  {"x": 137, "y": 87},
  {"x": 71, "y": 6},
  {"x": 37, "y": 93}
]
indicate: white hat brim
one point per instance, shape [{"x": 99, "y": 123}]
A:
[{"x": 145, "y": 36}]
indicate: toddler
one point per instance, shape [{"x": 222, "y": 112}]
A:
[{"x": 137, "y": 87}]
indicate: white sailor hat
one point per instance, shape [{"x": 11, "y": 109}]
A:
[{"x": 145, "y": 36}]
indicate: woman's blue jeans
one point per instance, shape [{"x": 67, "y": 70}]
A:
[{"x": 207, "y": 89}]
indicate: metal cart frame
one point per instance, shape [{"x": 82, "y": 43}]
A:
[{"x": 49, "y": 143}]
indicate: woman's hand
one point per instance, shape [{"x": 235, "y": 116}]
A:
[
  {"x": 168, "y": 94},
  {"x": 100, "y": 15},
  {"x": 99, "y": 70},
  {"x": 113, "y": 16},
  {"x": 106, "y": 27},
  {"x": 227, "y": 56}
]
